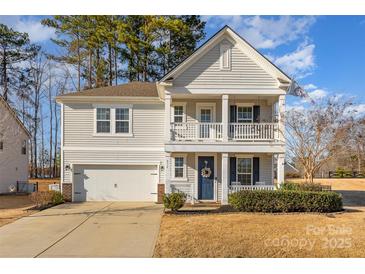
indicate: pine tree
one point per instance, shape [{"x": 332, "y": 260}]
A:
[{"x": 15, "y": 47}]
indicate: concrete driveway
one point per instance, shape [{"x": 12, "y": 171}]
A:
[{"x": 92, "y": 229}]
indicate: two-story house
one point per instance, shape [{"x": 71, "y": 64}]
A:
[
  {"x": 212, "y": 125},
  {"x": 14, "y": 138}
]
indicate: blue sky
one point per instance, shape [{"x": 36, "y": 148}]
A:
[{"x": 325, "y": 54}]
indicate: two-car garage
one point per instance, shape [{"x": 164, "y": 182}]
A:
[{"x": 115, "y": 183}]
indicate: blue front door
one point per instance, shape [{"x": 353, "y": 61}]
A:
[{"x": 205, "y": 177}]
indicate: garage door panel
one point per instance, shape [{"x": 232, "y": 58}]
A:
[{"x": 115, "y": 183}]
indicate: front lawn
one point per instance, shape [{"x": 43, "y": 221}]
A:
[
  {"x": 13, "y": 207},
  {"x": 262, "y": 235}
]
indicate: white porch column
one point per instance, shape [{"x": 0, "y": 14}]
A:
[
  {"x": 281, "y": 112},
  {"x": 167, "y": 117},
  {"x": 225, "y": 117},
  {"x": 167, "y": 172},
  {"x": 280, "y": 169},
  {"x": 225, "y": 178}
]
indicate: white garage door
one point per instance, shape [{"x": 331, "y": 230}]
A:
[{"x": 115, "y": 183}]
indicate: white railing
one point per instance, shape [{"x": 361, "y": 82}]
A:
[
  {"x": 253, "y": 131},
  {"x": 235, "y": 188},
  {"x": 196, "y": 131}
]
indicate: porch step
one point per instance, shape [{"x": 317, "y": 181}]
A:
[{"x": 204, "y": 204}]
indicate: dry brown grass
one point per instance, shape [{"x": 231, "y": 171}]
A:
[
  {"x": 13, "y": 207},
  {"x": 269, "y": 235}
]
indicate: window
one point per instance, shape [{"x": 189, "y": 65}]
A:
[
  {"x": 103, "y": 120},
  {"x": 24, "y": 147},
  {"x": 178, "y": 114},
  {"x": 1, "y": 145},
  {"x": 244, "y": 114},
  {"x": 225, "y": 57},
  {"x": 244, "y": 171},
  {"x": 179, "y": 167},
  {"x": 122, "y": 120}
]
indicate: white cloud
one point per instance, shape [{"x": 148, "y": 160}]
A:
[
  {"x": 298, "y": 63},
  {"x": 317, "y": 94},
  {"x": 309, "y": 87},
  {"x": 357, "y": 110},
  {"x": 31, "y": 25},
  {"x": 266, "y": 32}
]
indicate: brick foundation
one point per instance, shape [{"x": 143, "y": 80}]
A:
[
  {"x": 67, "y": 192},
  {"x": 160, "y": 193}
]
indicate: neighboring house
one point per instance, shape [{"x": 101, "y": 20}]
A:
[
  {"x": 210, "y": 126},
  {"x": 14, "y": 139}
]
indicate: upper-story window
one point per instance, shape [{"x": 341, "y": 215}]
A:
[
  {"x": 103, "y": 120},
  {"x": 179, "y": 113},
  {"x": 225, "y": 56},
  {"x": 24, "y": 147},
  {"x": 122, "y": 120},
  {"x": 244, "y": 114},
  {"x": 113, "y": 120}
]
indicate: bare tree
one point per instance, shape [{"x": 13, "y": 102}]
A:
[{"x": 317, "y": 134}]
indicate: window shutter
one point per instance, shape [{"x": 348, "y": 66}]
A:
[
  {"x": 256, "y": 169},
  {"x": 232, "y": 167},
  {"x": 256, "y": 114},
  {"x": 233, "y": 114}
]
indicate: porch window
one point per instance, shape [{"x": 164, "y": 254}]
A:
[
  {"x": 122, "y": 120},
  {"x": 244, "y": 171},
  {"x": 103, "y": 120},
  {"x": 178, "y": 114},
  {"x": 179, "y": 167},
  {"x": 244, "y": 114}
]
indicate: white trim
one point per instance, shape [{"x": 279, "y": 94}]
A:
[
  {"x": 196, "y": 196},
  {"x": 185, "y": 175},
  {"x": 230, "y": 90},
  {"x": 244, "y": 157},
  {"x": 109, "y": 99},
  {"x": 118, "y": 148},
  {"x": 199, "y": 106},
  {"x": 112, "y": 120},
  {"x": 177, "y": 104},
  {"x": 62, "y": 147},
  {"x": 243, "y": 147},
  {"x": 224, "y": 46}
]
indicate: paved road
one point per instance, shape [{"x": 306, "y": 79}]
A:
[{"x": 93, "y": 229}]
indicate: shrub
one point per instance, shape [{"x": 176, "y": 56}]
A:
[
  {"x": 285, "y": 201},
  {"x": 44, "y": 198},
  {"x": 301, "y": 186},
  {"x": 57, "y": 198},
  {"x": 174, "y": 201}
]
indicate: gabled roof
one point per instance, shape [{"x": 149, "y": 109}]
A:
[
  {"x": 245, "y": 46},
  {"x": 13, "y": 113},
  {"x": 132, "y": 89}
]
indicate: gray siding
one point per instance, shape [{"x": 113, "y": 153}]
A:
[
  {"x": 244, "y": 72},
  {"x": 148, "y": 127}
]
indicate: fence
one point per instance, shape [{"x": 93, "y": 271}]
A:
[{"x": 345, "y": 174}]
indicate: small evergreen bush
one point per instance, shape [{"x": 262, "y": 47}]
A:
[{"x": 174, "y": 201}]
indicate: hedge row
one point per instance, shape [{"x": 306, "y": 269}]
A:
[
  {"x": 285, "y": 201},
  {"x": 302, "y": 186}
]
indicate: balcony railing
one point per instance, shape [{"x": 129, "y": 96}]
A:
[
  {"x": 253, "y": 131},
  {"x": 194, "y": 131},
  {"x": 236, "y": 188}
]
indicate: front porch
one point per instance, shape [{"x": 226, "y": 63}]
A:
[{"x": 212, "y": 176}]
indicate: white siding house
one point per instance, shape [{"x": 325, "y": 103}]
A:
[
  {"x": 13, "y": 148},
  {"x": 211, "y": 126}
]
